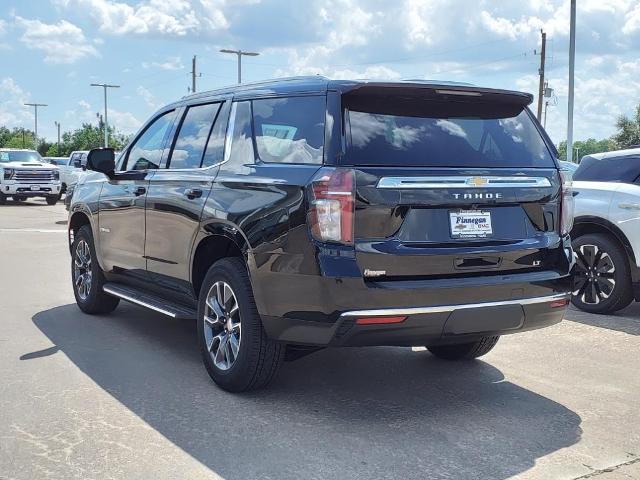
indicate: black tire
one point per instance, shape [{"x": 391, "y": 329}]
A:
[
  {"x": 258, "y": 358},
  {"x": 19, "y": 199},
  {"x": 95, "y": 301},
  {"x": 52, "y": 200},
  {"x": 464, "y": 351},
  {"x": 3, "y": 199},
  {"x": 602, "y": 274}
]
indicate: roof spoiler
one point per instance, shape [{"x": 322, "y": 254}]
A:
[{"x": 442, "y": 92}]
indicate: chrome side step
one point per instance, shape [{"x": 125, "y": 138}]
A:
[{"x": 150, "y": 301}]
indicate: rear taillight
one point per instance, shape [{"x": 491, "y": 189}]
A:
[
  {"x": 567, "y": 204},
  {"x": 331, "y": 205}
]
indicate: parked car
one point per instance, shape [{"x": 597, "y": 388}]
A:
[
  {"x": 606, "y": 234},
  {"x": 24, "y": 174},
  {"x": 569, "y": 166},
  {"x": 73, "y": 168},
  {"x": 292, "y": 215},
  {"x": 59, "y": 161}
]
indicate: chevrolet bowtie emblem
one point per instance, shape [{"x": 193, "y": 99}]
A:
[{"x": 477, "y": 181}]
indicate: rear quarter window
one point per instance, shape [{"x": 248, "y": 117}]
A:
[{"x": 290, "y": 130}]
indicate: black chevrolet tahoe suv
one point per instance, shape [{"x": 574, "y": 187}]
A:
[{"x": 296, "y": 214}]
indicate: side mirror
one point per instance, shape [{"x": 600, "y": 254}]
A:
[{"x": 102, "y": 160}]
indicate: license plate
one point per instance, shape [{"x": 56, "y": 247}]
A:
[
  {"x": 35, "y": 187},
  {"x": 470, "y": 224}
]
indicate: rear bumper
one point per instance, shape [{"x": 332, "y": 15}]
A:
[{"x": 432, "y": 325}]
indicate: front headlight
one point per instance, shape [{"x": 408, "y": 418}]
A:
[
  {"x": 56, "y": 174},
  {"x": 8, "y": 173}
]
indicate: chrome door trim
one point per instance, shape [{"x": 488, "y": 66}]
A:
[
  {"x": 383, "y": 312},
  {"x": 476, "y": 181}
]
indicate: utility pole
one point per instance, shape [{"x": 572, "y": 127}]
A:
[
  {"x": 193, "y": 75},
  {"x": 240, "y": 53},
  {"x": 58, "y": 127},
  {"x": 546, "y": 109},
  {"x": 35, "y": 106},
  {"x": 543, "y": 53},
  {"x": 572, "y": 70},
  {"x": 105, "y": 86}
]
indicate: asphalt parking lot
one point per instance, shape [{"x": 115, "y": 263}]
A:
[{"x": 125, "y": 396}]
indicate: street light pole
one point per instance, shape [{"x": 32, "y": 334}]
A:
[
  {"x": 58, "y": 127},
  {"x": 572, "y": 68},
  {"x": 35, "y": 106},
  {"x": 106, "y": 123},
  {"x": 240, "y": 53}
]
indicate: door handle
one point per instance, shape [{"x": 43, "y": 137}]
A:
[
  {"x": 139, "y": 191},
  {"x": 192, "y": 193},
  {"x": 630, "y": 206}
]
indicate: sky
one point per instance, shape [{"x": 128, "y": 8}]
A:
[{"x": 52, "y": 50}]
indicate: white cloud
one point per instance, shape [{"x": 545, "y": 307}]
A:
[
  {"x": 61, "y": 42},
  {"x": 172, "y": 63},
  {"x": 166, "y": 17},
  {"x": 13, "y": 113},
  {"x": 632, "y": 21},
  {"x": 84, "y": 112},
  {"x": 147, "y": 96}
]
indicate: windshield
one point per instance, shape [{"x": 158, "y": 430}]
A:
[
  {"x": 56, "y": 161},
  {"x": 439, "y": 134},
  {"x": 7, "y": 156}
]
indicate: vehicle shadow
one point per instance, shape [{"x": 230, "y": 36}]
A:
[
  {"x": 626, "y": 320},
  {"x": 339, "y": 413}
]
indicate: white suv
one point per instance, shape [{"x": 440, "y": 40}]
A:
[
  {"x": 606, "y": 233},
  {"x": 23, "y": 174}
]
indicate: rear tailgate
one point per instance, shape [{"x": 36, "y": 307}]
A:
[{"x": 450, "y": 184}]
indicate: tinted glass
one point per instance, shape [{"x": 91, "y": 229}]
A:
[
  {"x": 625, "y": 169},
  {"x": 7, "y": 156},
  {"x": 215, "y": 146},
  {"x": 439, "y": 134},
  {"x": 146, "y": 152},
  {"x": 290, "y": 130},
  {"x": 241, "y": 152},
  {"x": 193, "y": 135}
]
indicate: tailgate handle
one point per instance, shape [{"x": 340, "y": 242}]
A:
[{"x": 477, "y": 262}]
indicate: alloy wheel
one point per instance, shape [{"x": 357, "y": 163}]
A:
[
  {"x": 82, "y": 274},
  {"x": 595, "y": 275},
  {"x": 222, "y": 330}
]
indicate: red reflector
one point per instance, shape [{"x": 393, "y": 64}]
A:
[
  {"x": 559, "y": 303},
  {"x": 379, "y": 320}
]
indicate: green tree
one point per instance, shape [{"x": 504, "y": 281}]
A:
[
  {"x": 628, "y": 130},
  {"x": 586, "y": 147}
]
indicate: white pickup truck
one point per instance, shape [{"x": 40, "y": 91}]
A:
[
  {"x": 72, "y": 169},
  {"x": 24, "y": 174}
]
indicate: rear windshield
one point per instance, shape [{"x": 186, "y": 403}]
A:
[
  {"x": 415, "y": 132},
  {"x": 7, "y": 156},
  {"x": 624, "y": 169}
]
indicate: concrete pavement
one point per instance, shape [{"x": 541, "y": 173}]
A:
[{"x": 125, "y": 396}]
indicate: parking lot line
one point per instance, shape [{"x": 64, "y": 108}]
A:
[{"x": 32, "y": 230}]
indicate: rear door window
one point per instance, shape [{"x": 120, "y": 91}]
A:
[{"x": 440, "y": 134}]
